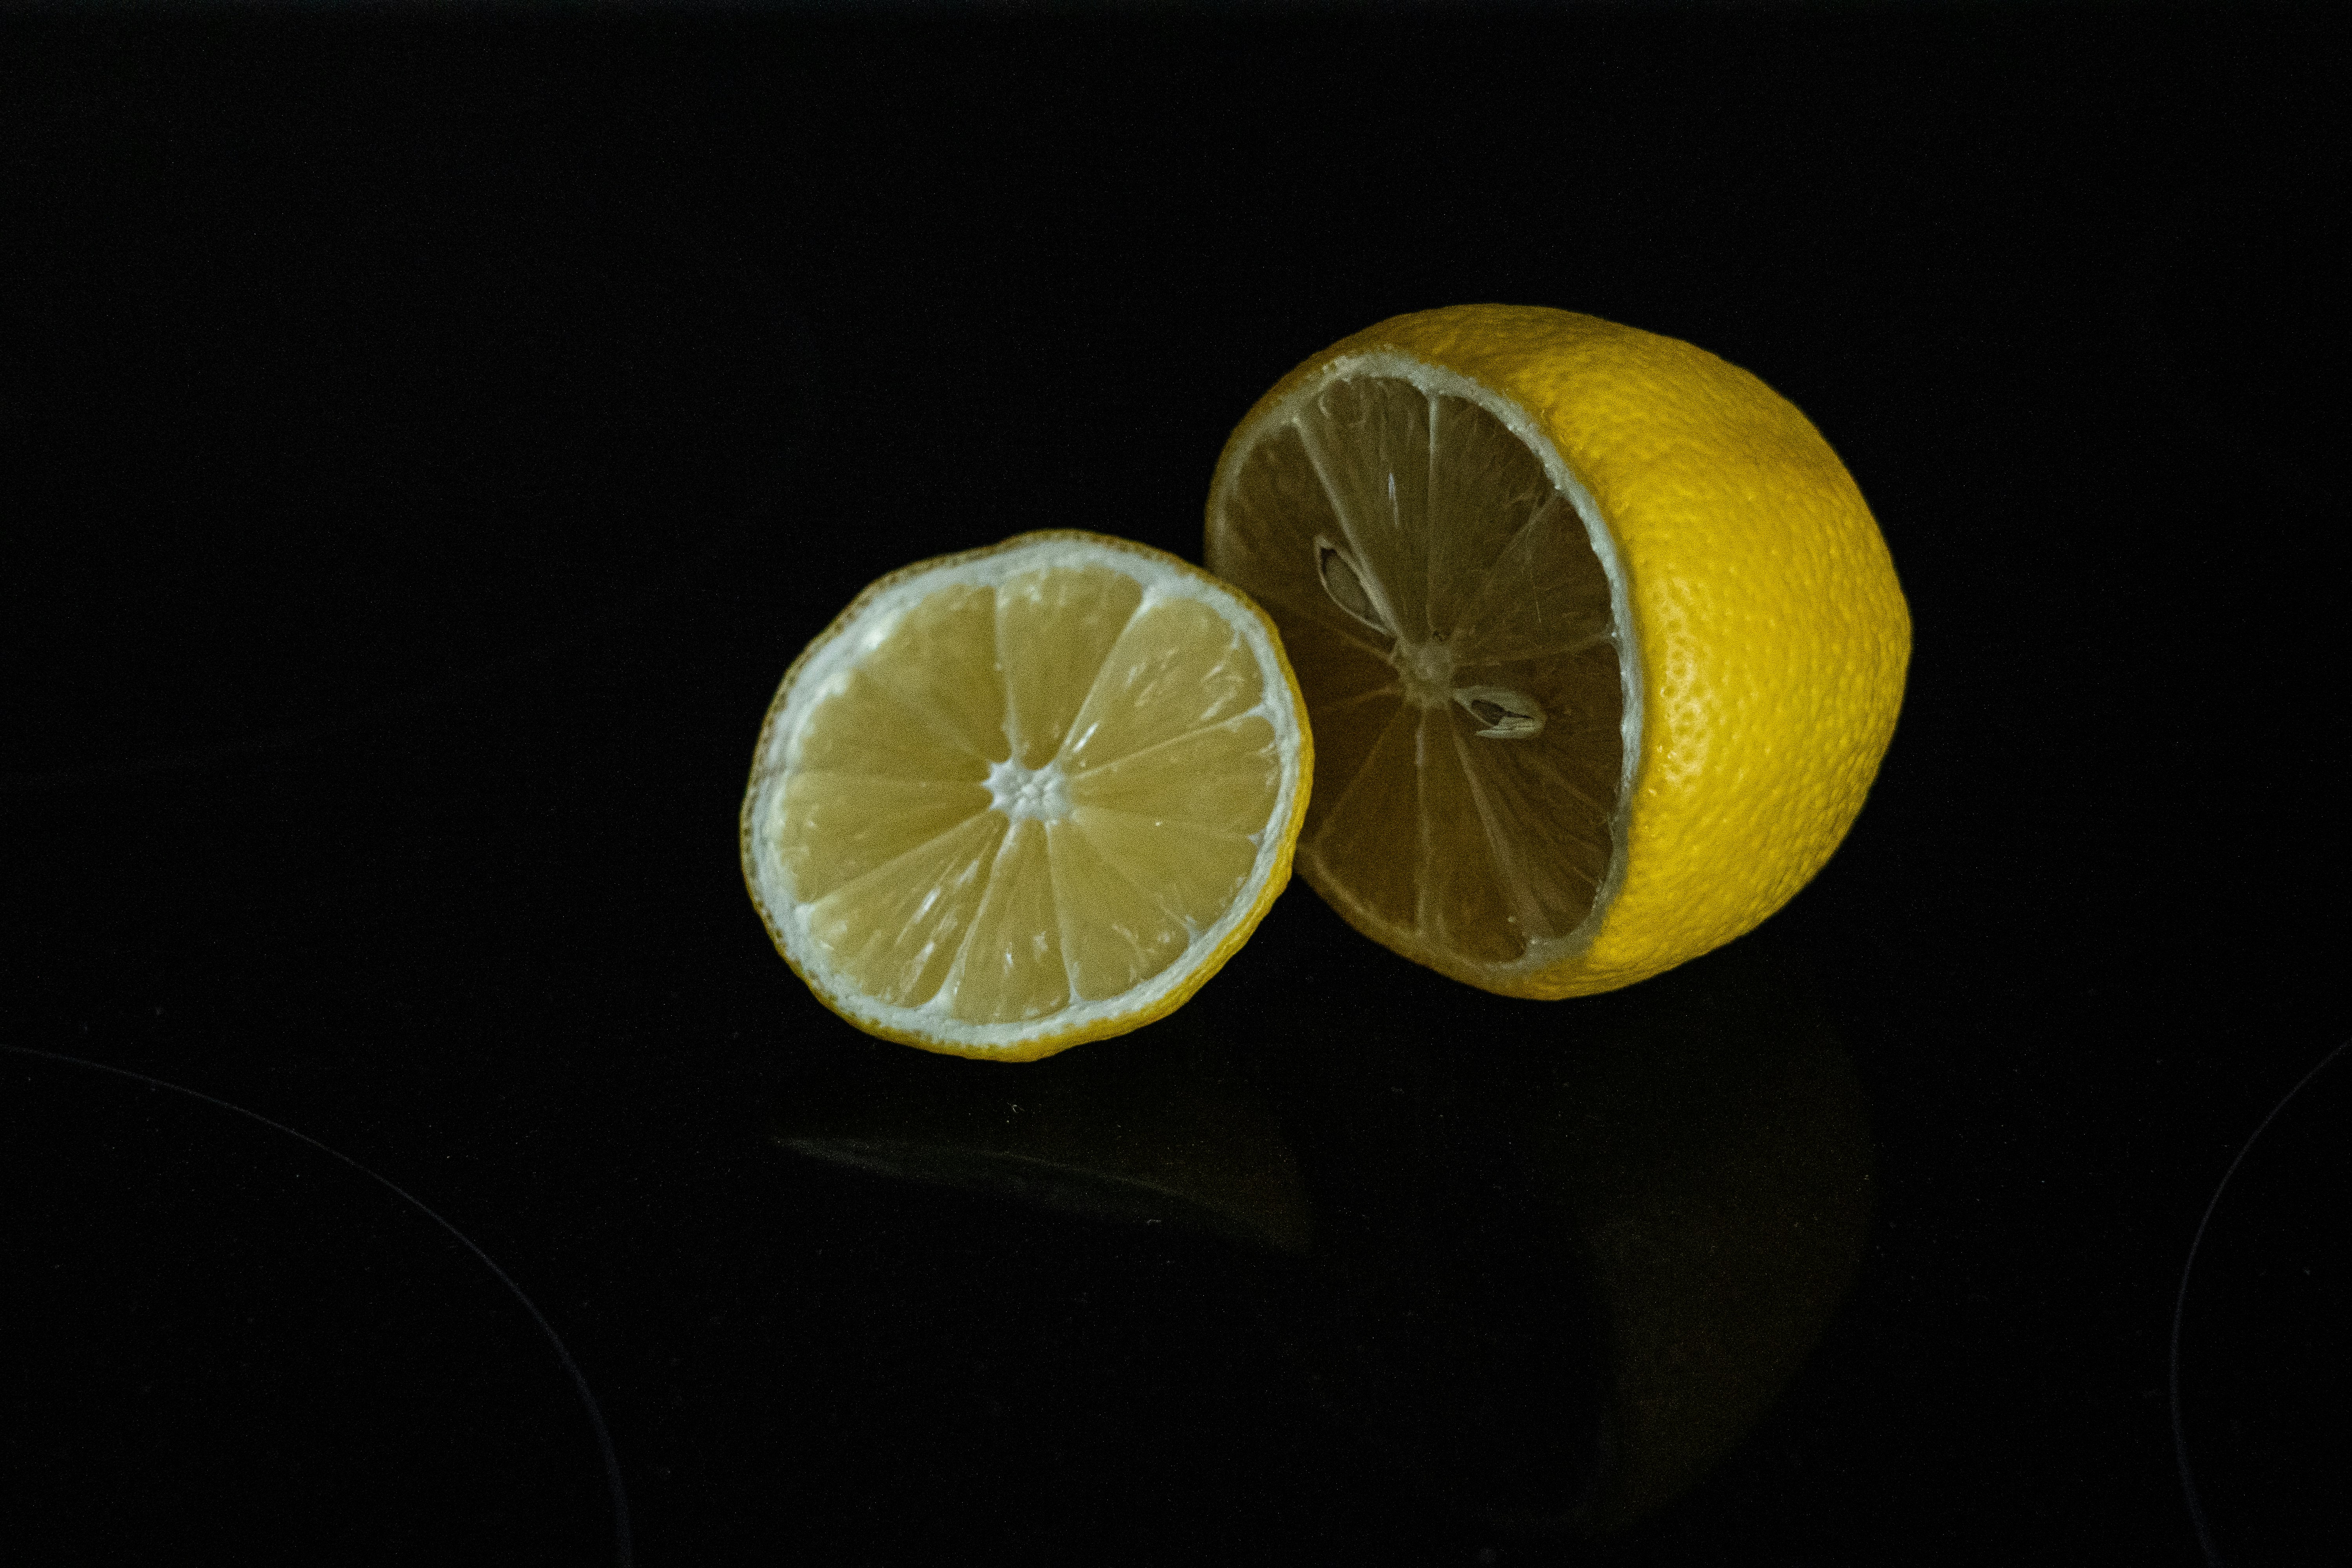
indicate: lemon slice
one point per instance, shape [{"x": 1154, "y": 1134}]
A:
[
  {"x": 1603, "y": 646},
  {"x": 1026, "y": 796}
]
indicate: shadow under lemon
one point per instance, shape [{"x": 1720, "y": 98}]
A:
[{"x": 1566, "y": 1255}]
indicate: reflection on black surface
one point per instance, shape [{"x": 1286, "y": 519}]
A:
[
  {"x": 221, "y": 1337},
  {"x": 1566, "y": 1255},
  {"x": 1710, "y": 1148},
  {"x": 1151, "y": 1136},
  {"x": 2262, "y": 1378}
]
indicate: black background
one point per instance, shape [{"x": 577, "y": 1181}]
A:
[{"x": 425, "y": 439}]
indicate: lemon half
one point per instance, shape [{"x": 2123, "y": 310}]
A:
[
  {"x": 1601, "y": 643},
  {"x": 1026, "y": 796}
]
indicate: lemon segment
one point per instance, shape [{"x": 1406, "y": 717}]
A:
[{"x": 1026, "y": 796}]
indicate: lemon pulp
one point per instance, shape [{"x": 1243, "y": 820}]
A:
[
  {"x": 1026, "y": 790},
  {"x": 1459, "y": 640}
]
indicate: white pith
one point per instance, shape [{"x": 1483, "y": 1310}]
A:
[
  {"x": 1016, "y": 791},
  {"x": 1041, "y": 794},
  {"x": 1540, "y": 954}
]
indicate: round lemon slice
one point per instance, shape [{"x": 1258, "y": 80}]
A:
[
  {"x": 1028, "y": 796},
  {"x": 1601, "y": 646}
]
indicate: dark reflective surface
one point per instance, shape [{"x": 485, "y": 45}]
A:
[
  {"x": 1556, "y": 1262},
  {"x": 423, "y": 446},
  {"x": 2262, "y": 1374},
  {"x": 225, "y": 1339},
  {"x": 1171, "y": 1130}
]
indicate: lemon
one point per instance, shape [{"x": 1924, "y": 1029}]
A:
[
  {"x": 1026, "y": 796},
  {"x": 1601, "y": 643}
]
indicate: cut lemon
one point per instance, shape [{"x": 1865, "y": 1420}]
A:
[
  {"x": 1601, "y": 646},
  {"x": 1026, "y": 796}
]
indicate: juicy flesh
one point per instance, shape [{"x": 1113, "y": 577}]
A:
[
  {"x": 1450, "y": 626},
  {"x": 1028, "y": 795}
]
